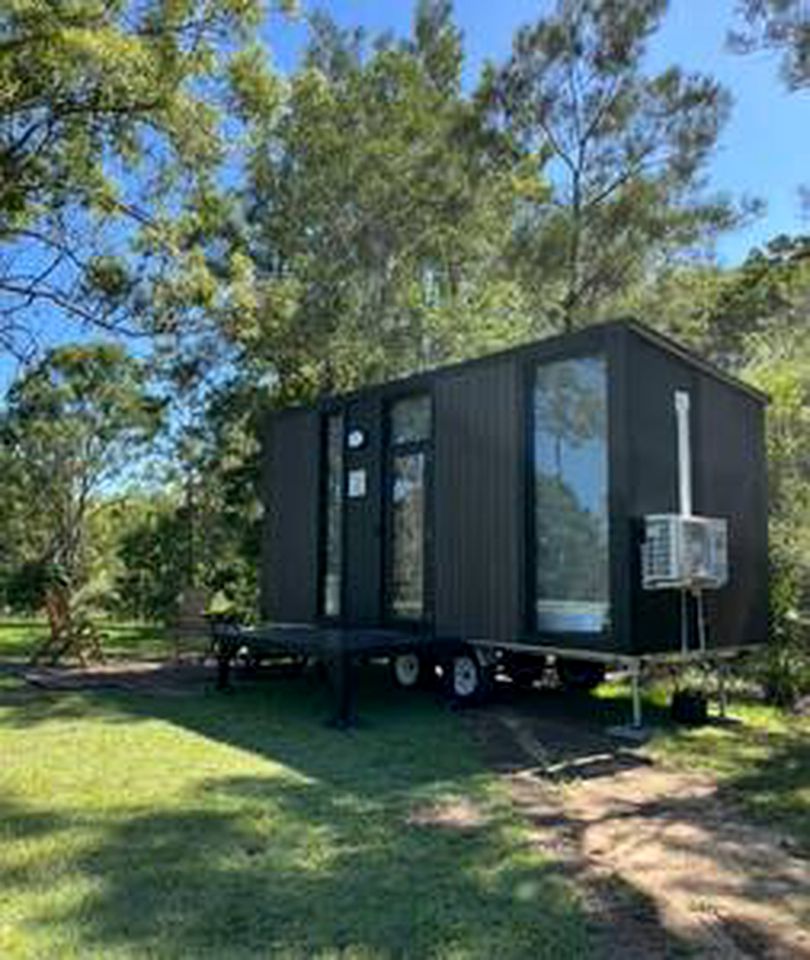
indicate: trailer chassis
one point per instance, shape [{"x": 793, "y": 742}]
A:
[
  {"x": 636, "y": 665},
  {"x": 338, "y": 648}
]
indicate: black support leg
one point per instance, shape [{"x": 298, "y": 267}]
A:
[
  {"x": 224, "y": 657},
  {"x": 342, "y": 689}
]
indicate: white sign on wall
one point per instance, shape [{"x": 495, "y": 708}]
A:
[{"x": 357, "y": 484}]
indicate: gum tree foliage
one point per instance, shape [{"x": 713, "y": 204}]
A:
[
  {"x": 624, "y": 149},
  {"x": 225, "y": 518},
  {"x": 771, "y": 302},
  {"x": 150, "y": 559},
  {"x": 70, "y": 425},
  {"x": 782, "y": 25},
  {"x": 780, "y": 364},
  {"x": 378, "y": 210},
  {"x": 110, "y": 131},
  {"x": 204, "y": 527}
]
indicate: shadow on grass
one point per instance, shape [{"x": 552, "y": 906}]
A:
[
  {"x": 318, "y": 856},
  {"x": 775, "y": 786},
  {"x": 323, "y": 856},
  {"x": 263, "y": 883}
]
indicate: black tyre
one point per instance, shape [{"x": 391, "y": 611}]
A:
[
  {"x": 467, "y": 680},
  {"x": 580, "y": 674},
  {"x": 407, "y": 670}
]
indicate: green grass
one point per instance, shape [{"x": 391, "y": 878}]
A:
[
  {"x": 761, "y": 759},
  {"x": 212, "y": 825},
  {"x": 760, "y": 755},
  {"x": 19, "y": 638}
]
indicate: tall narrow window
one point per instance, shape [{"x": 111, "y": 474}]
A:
[
  {"x": 409, "y": 439},
  {"x": 333, "y": 516},
  {"x": 570, "y": 496}
]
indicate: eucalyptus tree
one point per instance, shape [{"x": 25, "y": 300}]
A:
[
  {"x": 70, "y": 427},
  {"x": 624, "y": 149},
  {"x": 111, "y": 125},
  {"x": 378, "y": 211}
]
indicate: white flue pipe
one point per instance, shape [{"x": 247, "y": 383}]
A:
[{"x": 684, "y": 452}]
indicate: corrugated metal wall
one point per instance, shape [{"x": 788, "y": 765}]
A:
[
  {"x": 479, "y": 505},
  {"x": 291, "y": 484},
  {"x": 481, "y": 535},
  {"x": 732, "y": 482},
  {"x": 729, "y": 480}
]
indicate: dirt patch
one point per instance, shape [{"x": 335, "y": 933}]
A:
[
  {"x": 457, "y": 813},
  {"x": 141, "y": 676},
  {"x": 665, "y": 865}
]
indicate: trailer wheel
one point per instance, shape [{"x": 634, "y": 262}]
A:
[
  {"x": 406, "y": 669},
  {"x": 468, "y": 680},
  {"x": 580, "y": 674}
]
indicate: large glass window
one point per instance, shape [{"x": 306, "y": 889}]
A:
[
  {"x": 333, "y": 516},
  {"x": 570, "y": 496},
  {"x": 408, "y": 535},
  {"x": 410, "y": 420},
  {"x": 408, "y": 438}
]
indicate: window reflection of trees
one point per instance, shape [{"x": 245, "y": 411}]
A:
[
  {"x": 408, "y": 504},
  {"x": 570, "y": 410},
  {"x": 334, "y": 516},
  {"x": 410, "y": 430}
]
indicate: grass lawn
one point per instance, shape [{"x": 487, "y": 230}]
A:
[
  {"x": 760, "y": 755},
  {"x": 19, "y": 638},
  {"x": 207, "y": 825},
  {"x": 761, "y": 758},
  {"x": 211, "y": 825}
]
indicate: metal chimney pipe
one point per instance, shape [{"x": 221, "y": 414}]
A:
[{"x": 684, "y": 452}]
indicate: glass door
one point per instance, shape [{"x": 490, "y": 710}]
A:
[
  {"x": 408, "y": 534},
  {"x": 331, "y": 585}
]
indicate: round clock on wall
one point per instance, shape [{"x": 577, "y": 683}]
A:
[{"x": 356, "y": 439}]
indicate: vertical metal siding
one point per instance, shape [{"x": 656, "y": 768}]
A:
[
  {"x": 291, "y": 488},
  {"x": 731, "y": 482},
  {"x": 479, "y": 498},
  {"x": 728, "y": 479},
  {"x": 653, "y": 378}
]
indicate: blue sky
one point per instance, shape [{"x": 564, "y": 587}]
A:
[{"x": 764, "y": 151}]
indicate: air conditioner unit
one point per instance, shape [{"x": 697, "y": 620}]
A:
[{"x": 684, "y": 552}]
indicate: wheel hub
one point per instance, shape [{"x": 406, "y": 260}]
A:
[
  {"x": 406, "y": 667},
  {"x": 465, "y": 676}
]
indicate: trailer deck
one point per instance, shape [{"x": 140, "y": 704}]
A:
[{"x": 338, "y": 648}]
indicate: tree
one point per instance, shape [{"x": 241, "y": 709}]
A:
[
  {"x": 150, "y": 559},
  {"x": 71, "y": 427},
  {"x": 779, "y": 363},
  {"x": 624, "y": 151},
  {"x": 782, "y": 25},
  {"x": 109, "y": 123},
  {"x": 378, "y": 211}
]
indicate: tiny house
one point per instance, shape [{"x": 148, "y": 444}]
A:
[{"x": 507, "y": 503}]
